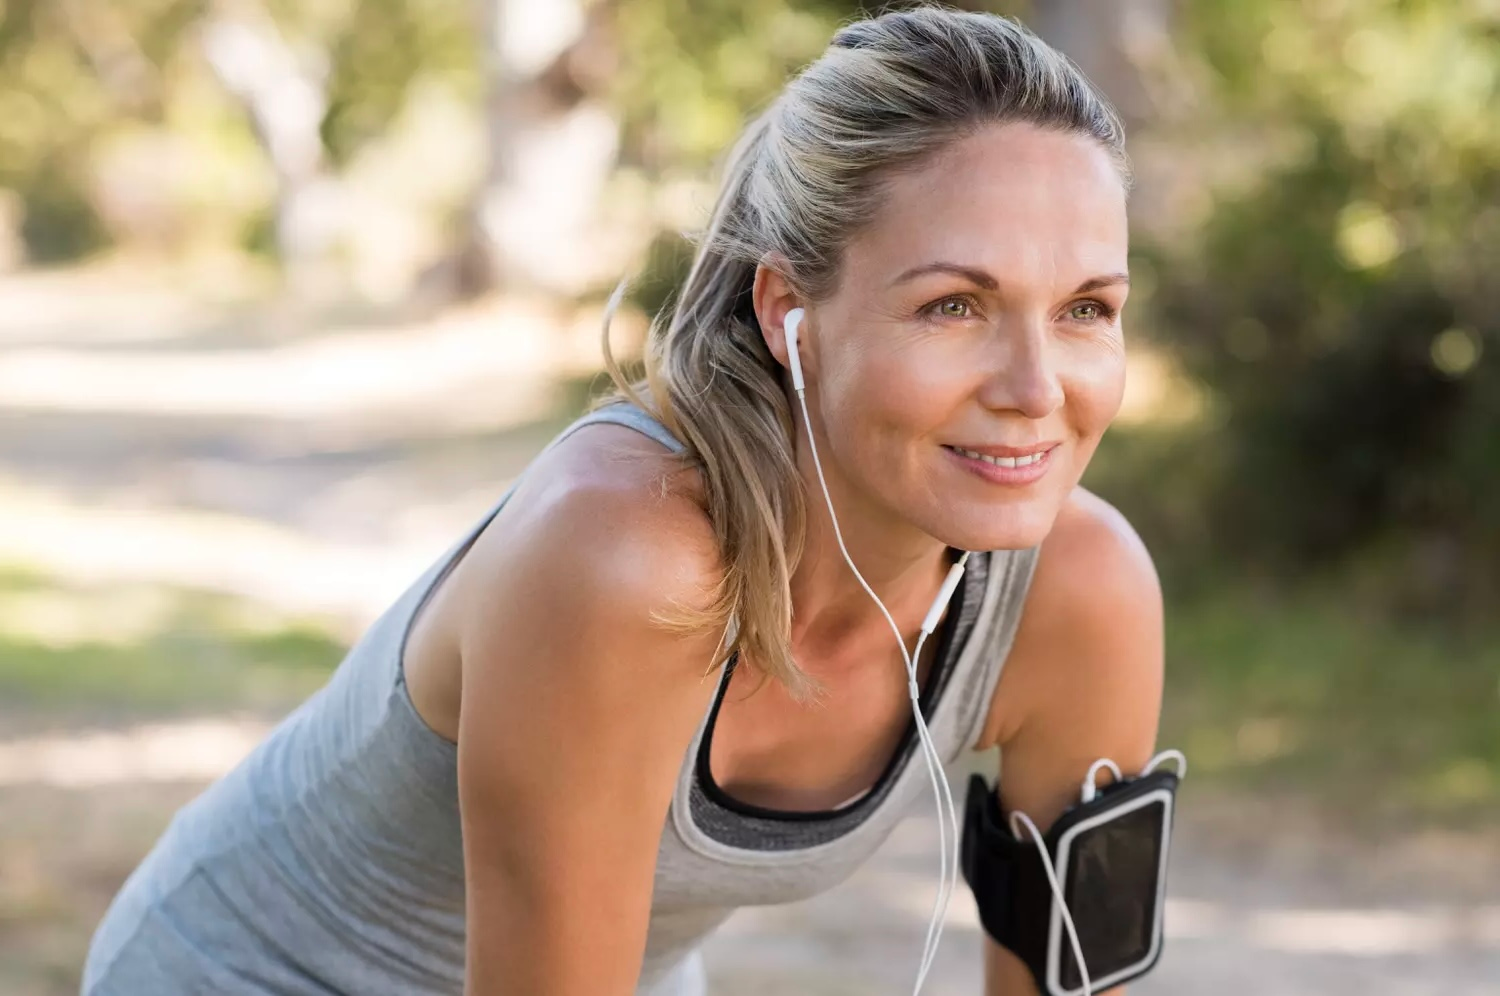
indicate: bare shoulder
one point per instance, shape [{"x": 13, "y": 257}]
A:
[
  {"x": 607, "y": 528},
  {"x": 605, "y": 531},
  {"x": 1090, "y": 533},
  {"x": 1090, "y": 637}
]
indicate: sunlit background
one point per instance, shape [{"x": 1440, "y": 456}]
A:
[{"x": 290, "y": 290}]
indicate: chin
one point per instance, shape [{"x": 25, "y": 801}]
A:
[{"x": 1012, "y": 526}]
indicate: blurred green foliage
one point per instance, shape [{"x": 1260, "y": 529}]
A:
[
  {"x": 698, "y": 68},
  {"x": 76, "y": 75},
  {"x": 380, "y": 51},
  {"x": 1338, "y": 303},
  {"x": 69, "y": 71}
]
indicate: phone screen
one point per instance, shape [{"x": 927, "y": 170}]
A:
[{"x": 1111, "y": 891}]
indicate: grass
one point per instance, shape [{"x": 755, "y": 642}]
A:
[
  {"x": 1301, "y": 691},
  {"x": 137, "y": 650}
]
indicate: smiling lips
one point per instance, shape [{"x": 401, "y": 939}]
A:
[{"x": 1011, "y": 465}]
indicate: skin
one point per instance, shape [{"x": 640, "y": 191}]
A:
[{"x": 1024, "y": 346}]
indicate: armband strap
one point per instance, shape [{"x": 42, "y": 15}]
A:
[{"x": 1006, "y": 878}]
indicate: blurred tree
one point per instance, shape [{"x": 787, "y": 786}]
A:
[
  {"x": 1115, "y": 42},
  {"x": 551, "y": 143},
  {"x": 377, "y": 51},
  {"x": 320, "y": 81},
  {"x": 88, "y": 87},
  {"x": 1339, "y": 300},
  {"x": 282, "y": 91},
  {"x": 68, "y": 70}
]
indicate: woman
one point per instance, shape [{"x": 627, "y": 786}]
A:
[{"x": 533, "y": 775}]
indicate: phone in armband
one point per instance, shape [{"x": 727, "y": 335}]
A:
[{"x": 1109, "y": 857}]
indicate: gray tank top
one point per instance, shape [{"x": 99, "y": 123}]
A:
[{"x": 330, "y": 860}]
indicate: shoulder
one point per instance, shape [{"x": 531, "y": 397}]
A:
[
  {"x": 606, "y": 532},
  {"x": 610, "y": 511},
  {"x": 1091, "y": 632},
  {"x": 1093, "y": 572}
]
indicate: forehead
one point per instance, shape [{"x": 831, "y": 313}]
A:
[{"x": 1023, "y": 202}]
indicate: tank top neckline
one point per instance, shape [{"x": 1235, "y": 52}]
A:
[{"x": 929, "y": 697}]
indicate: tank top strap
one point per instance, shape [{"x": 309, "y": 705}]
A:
[
  {"x": 629, "y": 414},
  {"x": 625, "y": 413}
]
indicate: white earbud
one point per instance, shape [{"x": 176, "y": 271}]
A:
[{"x": 793, "y": 325}]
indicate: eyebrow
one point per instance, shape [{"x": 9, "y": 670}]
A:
[{"x": 989, "y": 283}]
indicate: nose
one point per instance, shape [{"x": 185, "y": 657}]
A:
[{"x": 1023, "y": 376}]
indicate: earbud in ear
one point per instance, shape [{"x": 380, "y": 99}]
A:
[{"x": 793, "y": 324}]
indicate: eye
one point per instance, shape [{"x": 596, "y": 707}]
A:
[
  {"x": 1091, "y": 311},
  {"x": 961, "y": 306}
]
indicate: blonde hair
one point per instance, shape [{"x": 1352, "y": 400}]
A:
[{"x": 802, "y": 180}]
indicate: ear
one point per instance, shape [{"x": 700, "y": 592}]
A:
[{"x": 774, "y": 296}]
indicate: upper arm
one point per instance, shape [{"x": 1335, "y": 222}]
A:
[
  {"x": 576, "y": 711},
  {"x": 1084, "y": 676}
]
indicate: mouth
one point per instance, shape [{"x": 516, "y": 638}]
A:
[
  {"x": 1006, "y": 465},
  {"x": 1022, "y": 460}
]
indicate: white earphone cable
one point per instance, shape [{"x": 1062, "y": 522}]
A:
[
  {"x": 950, "y": 834},
  {"x": 1090, "y": 790},
  {"x": 935, "y": 775},
  {"x": 1172, "y": 754},
  {"x": 944, "y": 798},
  {"x": 1062, "y": 905}
]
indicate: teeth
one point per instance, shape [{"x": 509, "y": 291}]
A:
[{"x": 1025, "y": 461}]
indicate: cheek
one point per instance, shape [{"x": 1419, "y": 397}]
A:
[
  {"x": 896, "y": 394},
  {"x": 1094, "y": 381},
  {"x": 878, "y": 406},
  {"x": 915, "y": 379}
]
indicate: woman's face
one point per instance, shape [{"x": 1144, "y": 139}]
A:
[{"x": 979, "y": 313}]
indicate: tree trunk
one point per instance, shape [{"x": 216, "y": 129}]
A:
[
  {"x": 284, "y": 97},
  {"x": 1124, "y": 47},
  {"x": 551, "y": 147},
  {"x": 1116, "y": 43}
]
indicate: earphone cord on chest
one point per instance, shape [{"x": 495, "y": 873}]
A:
[{"x": 947, "y": 816}]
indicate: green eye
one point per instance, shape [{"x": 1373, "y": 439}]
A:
[
  {"x": 954, "y": 307},
  {"x": 1092, "y": 311}
]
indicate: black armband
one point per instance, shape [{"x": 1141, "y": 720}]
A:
[{"x": 1110, "y": 858}]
